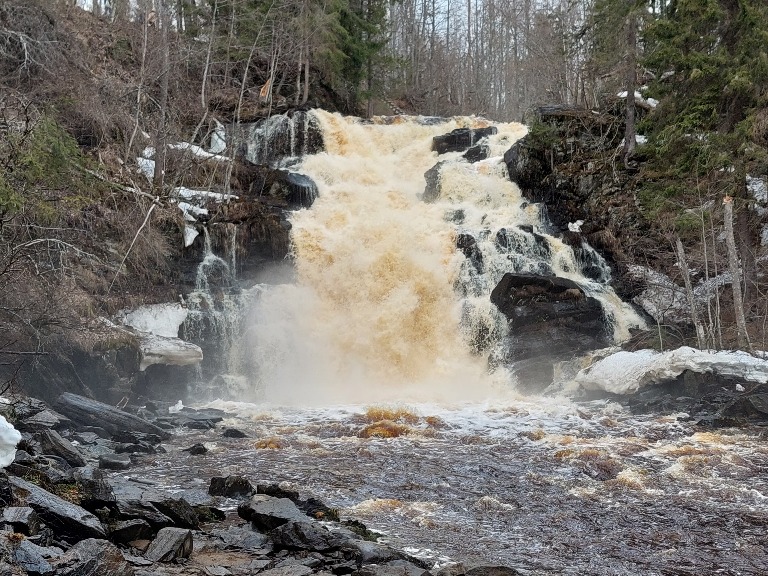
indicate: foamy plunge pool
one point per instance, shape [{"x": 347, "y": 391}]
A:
[{"x": 546, "y": 486}]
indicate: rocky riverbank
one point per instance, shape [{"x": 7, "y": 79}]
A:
[{"x": 72, "y": 507}]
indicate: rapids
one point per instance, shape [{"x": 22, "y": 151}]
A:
[{"x": 545, "y": 486}]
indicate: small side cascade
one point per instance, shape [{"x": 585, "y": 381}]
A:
[
  {"x": 211, "y": 268},
  {"x": 278, "y": 140}
]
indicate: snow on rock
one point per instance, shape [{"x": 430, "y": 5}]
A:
[
  {"x": 146, "y": 167},
  {"x": 191, "y": 212},
  {"x": 198, "y": 151},
  {"x": 202, "y": 195},
  {"x": 665, "y": 301},
  {"x": 172, "y": 351},
  {"x": 160, "y": 319},
  {"x": 758, "y": 188},
  {"x": 189, "y": 235},
  {"x": 157, "y": 327},
  {"x": 218, "y": 139},
  {"x": 575, "y": 226},
  {"x": 9, "y": 438},
  {"x": 626, "y": 372}
]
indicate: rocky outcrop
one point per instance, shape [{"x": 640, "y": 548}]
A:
[
  {"x": 567, "y": 163},
  {"x": 550, "y": 319},
  {"x": 461, "y": 139}
]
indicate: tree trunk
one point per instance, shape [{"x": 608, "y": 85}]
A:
[
  {"x": 733, "y": 265},
  {"x": 161, "y": 136},
  {"x": 631, "y": 78},
  {"x": 701, "y": 340}
]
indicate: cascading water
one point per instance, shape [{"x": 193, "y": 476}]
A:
[{"x": 383, "y": 296}]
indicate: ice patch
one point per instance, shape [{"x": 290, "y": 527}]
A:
[
  {"x": 189, "y": 235},
  {"x": 627, "y": 372},
  {"x": 9, "y": 438},
  {"x": 159, "y": 319}
]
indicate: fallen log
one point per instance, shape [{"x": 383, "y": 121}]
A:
[{"x": 88, "y": 412}]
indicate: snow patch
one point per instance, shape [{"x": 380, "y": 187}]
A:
[
  {"x": 575, "y": 226},
  {"x": 202, "y": 195},
  {"x": 627, "y": 372},
  {"x": 652, "y": 102},
  {"x": 218, "y": 139},
  {"x": 159, "y": 319},
  {"x": 665, "y": 301},
  {"x": 9, "y": 438},
  {"x": 189, "y": 234},
  {"x": 146, "y": 167},
  {"x": 198, "y": 151}
]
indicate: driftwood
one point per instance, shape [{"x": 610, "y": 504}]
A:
[{"x": 89, "y": 412}]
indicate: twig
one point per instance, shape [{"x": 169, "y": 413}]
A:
[{"x": 143, "y": 224}]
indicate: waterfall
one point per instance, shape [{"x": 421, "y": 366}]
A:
[{"x": 392, "y": 294}]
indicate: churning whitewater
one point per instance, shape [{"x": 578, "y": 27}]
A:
[{"x": 385, "y": 307}]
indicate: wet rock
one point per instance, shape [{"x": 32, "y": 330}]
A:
[
  {"x": 178, "y": 510},
  {"x": 89, "y": 412},
  {"x": 94, "y": 557},
  {"x": 551, "y": 319},
  {"x": 433, "y": 188},
  {"x": 233, "y": 433},
  {"x": 477, "y": 153},
  {"x": 67, "y": 520},
  {"x": 748, "y": 407},
  {"x": 468, "y": 246},
  {"x": 303, "y": 535},
  {"x": 216, "y": 571},
  {"x": 365, "y": 552},
  {"x": 115, "y": 461},
  {"x": 196, "y": 449},
  {"x": 51, "y": 442},
  {"x": 277, "y": 492},
  {"x": 492, "y": 570},
  {"x": 460, "y": 139},
  {"x": 230, "y": 486},
  {"x": 134, "y": 437},
  {"x": 22, "y": 519},
  {"x": 135, "y": 448},
  {"x": 267, "y": 512},
  {"x": 170, "y": 544},
  {"x": 127, "y": 531}
]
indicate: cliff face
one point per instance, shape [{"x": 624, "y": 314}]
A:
[{"x": 570, "y": 163}]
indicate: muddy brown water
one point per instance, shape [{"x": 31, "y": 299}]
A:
[{"x": 546, "y": 487}]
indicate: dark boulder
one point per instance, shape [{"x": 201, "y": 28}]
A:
[
  {"x": 460, "y": 139},
  {"x": 550, "y": 319},
  {"x": 230, "y": 486},
  {"x": 181, "y": 512},
  {"x": 34, "y": 559},
  {"x": 93, "y": 557},
  {"x": 114, "y": 461},
  {"x": 95, "y": 491},
  {"x": 51, "y": 442},
  {"x": 267, "y": 512},
  {"x": 233, "y": 433},
  {"x": 433, "y": 188},
  {"x": 468, "y": 246},
  {"x": 170, "y": 544},
  {"x": 303, "y": 535},
  {"x": 69, "y": 521},
  {"x": 126, "y": 531},
  {"x": 477, "y": 153}
]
